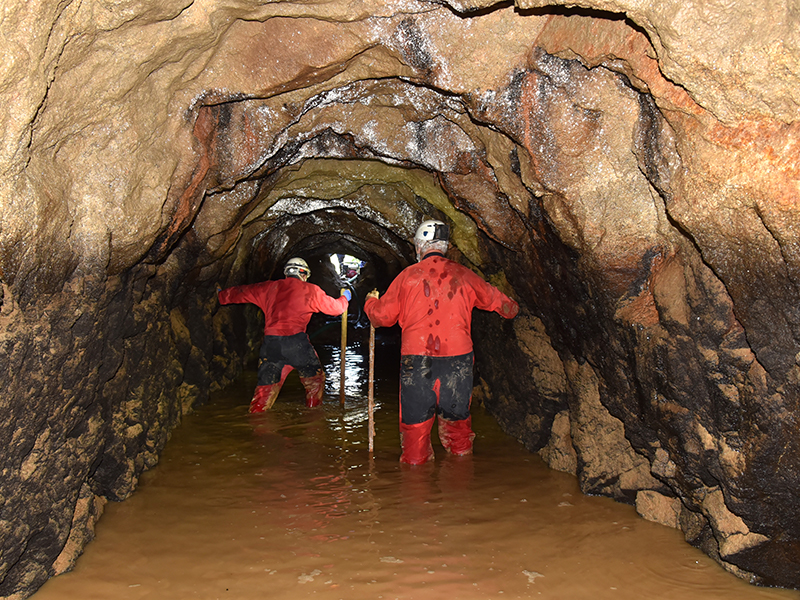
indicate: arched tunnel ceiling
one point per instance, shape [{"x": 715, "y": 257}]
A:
[
  {"x": 370, "y": 203},
  {"x": 363, "y": 207},
  {"x": 390, "y": 130},
  {"x": 271, "y": 59},
  {"x": 404, "y": 137}
]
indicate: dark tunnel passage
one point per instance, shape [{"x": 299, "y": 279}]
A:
[
  {"x": 634, "y": 193},
  {"x": 316, "y": 237},
  {"x": 318, "y": 234}
]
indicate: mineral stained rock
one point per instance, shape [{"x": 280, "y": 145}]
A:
[{"x": 627, "y": 170}]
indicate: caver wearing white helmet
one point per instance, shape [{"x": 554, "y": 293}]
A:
[
  {"x": 431, "y": 236},
  {"x": 432, "y": 301},
  {"x": 297, "y": 267},
  {"x": 287, "y": 305}
]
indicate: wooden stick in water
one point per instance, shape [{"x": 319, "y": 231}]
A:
[
  {"x": 342, "y": 354},
  {"x": 371, "y": 396}
]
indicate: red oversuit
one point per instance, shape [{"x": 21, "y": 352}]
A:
[
  {"x": 287, "y": 305},
  {"x": 432, "y": 301}
]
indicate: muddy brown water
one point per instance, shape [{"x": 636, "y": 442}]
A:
[{"x": 290, "y": 504}]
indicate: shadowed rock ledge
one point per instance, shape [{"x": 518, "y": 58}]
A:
[{"x": 628, "y": 171}]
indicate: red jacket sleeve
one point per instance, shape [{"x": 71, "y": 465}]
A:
[
  {"x": 385, "y": 311},
  {"x": 488, "y": 297},
  {"x": 321, "y": 302},
  {"x": 244, "y": 294}
]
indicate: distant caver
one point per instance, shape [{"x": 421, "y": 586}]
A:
[{"x": 287, "y": 305}]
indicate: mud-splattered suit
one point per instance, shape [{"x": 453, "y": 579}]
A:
[
  {"x": 287, "y": 305},
  {"x": 433, "y": 301}
]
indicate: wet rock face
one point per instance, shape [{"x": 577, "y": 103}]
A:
[{"x": 627, "y": 171}]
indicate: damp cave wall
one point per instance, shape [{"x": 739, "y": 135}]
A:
[{"x": 656, "y": 347}]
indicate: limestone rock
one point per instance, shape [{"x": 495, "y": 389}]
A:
[
  {"x": 559, "y": 453},
  {"x": 658, "y": 508}
]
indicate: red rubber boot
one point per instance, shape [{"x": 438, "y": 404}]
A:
[
  {"x": 315, "y": 386},
  {"x": 456, "y": 436},
  {"x": 415, "y": 440},
  {"x": 264, "y": 397}
]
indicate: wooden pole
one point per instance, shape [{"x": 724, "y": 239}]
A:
[
  {"x": 371, "y": 395},
  {"x": 342, "y": 354}
]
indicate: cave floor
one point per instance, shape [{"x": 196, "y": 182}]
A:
[{"x": 289, "y": 504}]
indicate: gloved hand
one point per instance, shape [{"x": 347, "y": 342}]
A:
[
  {"x": 219, "y": 289},
  {"x": 347, "y": 294},
  {"x": 373, "y": 294}
]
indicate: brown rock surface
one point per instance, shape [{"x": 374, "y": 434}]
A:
[{"x": 628, "y": 170}]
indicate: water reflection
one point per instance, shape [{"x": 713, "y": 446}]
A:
[
  {"x": 356, "y": 371},
  {"x": 289, "y": 504}
]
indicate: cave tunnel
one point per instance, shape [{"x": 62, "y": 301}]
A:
[{"x": 627, "y": 171}]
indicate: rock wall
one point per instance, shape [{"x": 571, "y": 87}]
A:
[
  {"x": 96, "y": 377},
  {"x": 628, "y": 171}
]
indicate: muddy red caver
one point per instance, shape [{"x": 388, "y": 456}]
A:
[
  {"x": 432, "y": 301},
  {"x": 287, "y": 305}
]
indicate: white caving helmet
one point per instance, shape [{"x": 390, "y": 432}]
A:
[
  {"x": 432, "y": 231},
  {"x": 297, "y": 267},
  {"x": 432, "y": 235}
]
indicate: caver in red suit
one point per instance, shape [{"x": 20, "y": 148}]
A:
[
  {"x": 287, "y": 305},
  {"x": 433, "y": 301}
]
